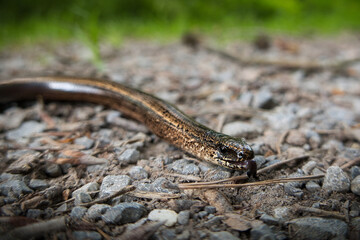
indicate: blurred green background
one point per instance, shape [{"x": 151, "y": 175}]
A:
[{"x": 29, "y": 21}]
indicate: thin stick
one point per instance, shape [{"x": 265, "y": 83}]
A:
[
  {"x": 351, "y": 163},
  {"x": 259, "y": 183},
  {"x": 36, "y": 229},
  {"x": 323, "y": 213},
  {"x": 107, "y": 198},
  {"x": 244, "y": 176}
]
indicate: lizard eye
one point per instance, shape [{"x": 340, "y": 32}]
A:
[{"x": 228, "y": 154}]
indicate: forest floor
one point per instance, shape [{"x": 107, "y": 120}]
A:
[{"x": 64, "y": 165}]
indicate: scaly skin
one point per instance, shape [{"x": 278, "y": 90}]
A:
[{"x": 162, "y": 118}]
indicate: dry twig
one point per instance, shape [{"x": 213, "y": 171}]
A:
[{"x": 259, "y": 183}]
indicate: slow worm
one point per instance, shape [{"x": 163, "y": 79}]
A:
[{"x": 162, "y": 118}]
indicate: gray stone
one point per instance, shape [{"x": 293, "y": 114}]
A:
[
  {"x": 112, "y": 116},
  {"x": 34, "y": 213},
  {"x": 355, "y": 185},
  {"x": 138, "y": 173},
  {"x": 184, "y": 166},
  {"x": 282, "y": 213},
  {"x": 84, "y": 141},
  {"x": 269, "y": 219},
  {"x": 185, "y": 235},
  {"x": 103, "y": 135},
  {"x": 38, "y": 184},
  {"x": 317, "y": 228},
  {"x": 222, "y": 236},
  {"x": 163, "y": 185},
  {"x": 314, "y": 139},
  {"x": 246, "y": 99},
  {"x": 241, "y": 129},
  {"x": 27, "y": 129},
  {"x": 333, "y": 144},
  {"x": 113, "y": 183},
  {"x": 78, "y": 212},
  {"x": 308, "y": 167},
  {"x": 8, "y": 176},
  {"x": 53, "y": 170},
  {"x": 201, "y": 214},
  {"x": 264, "y": 99},
  {"x": 294, "y": 188},
  {"x": 210, "y": 209},
  {"x": 124, "y": 213},
  {"x": 283, "y": 118},
  {"x": 82, "y": 198},
  {"x": 354, "y": 171},
  {"x": 96, "y": 211},
  {"x": 260, "y": 161},
  {"x": 355, "y": 224},
  {"x": 183, "y": 204},
  {"x": 312, "y": 186},
  {"x": 89, "y": 187},
  {"x": 262, "y": 231},
  {"x": 183, "y": 217},
  {"x": 336, "y": 180},
  {"x": 129, "y": 156},
  {"x": 86, "y": 235},
  {"x": 337, "y": 114},
  {"x": 168, "y": 216},
  {"x": 217, "y": 174},
  {"x": 14, "y": 188},
  {"x": 168, "y": 234}
]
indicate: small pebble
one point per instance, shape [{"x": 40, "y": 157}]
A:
[
  {"x": 78, "y": 212},
  {"x": 53, "y": 170},
  {"x": 27, "y": 129},
  {"x": 241, "y": 129},
  {"x": 312, "y": 186},
  {"x": 296, "y": 138},
  {"x": 38, "y": 184},
  {"x": 308, "y": 167},
  {"x": 184, "y": 166},
  {"x": 124, "y": 213},
  {"x": 318, "y": 228},
  {"x": 138, "y": 173},
  {"x": 355, "y": 185},
  {"x": 336, "y": 180},
  {"x": 262, "y": 231},
  {"x": 129, "y": 156},
  {"x": 222, "y": 236},
  {"x": 183, "y": 217},
  {"x": 14, "y": 188},
  {"x": 210, "y": 209},
  {"x": 161, "y": 184},
  {"x": 264, "y": 99},
  {"x": 269, "y": 219},
  {"x": 167, "y": 234},
  {"x": 34, "y": 213},
  {"x": 85, "y": 141},
  {"x": 169, "y": 216},
  {"x": 86, "y": 235},
  {"x": 217, "y": 174},
  {"x": 96, "y": 211},
  {"x": 202, "y": 214},
  {"x": 89, "y": 187},
  {"x": 282, "y": 213},
  {"x": 354, "y": 171},
  {"x": 113, "y": 183},
  {"x": 82, "y": 198}
]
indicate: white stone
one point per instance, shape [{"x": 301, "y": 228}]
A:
[{"x": 169, "y": 216}]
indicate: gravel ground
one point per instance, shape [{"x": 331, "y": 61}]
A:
[{"x": 65, "y": 166}]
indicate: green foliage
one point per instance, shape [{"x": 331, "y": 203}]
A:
[{"x": 110, "y": 20}]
